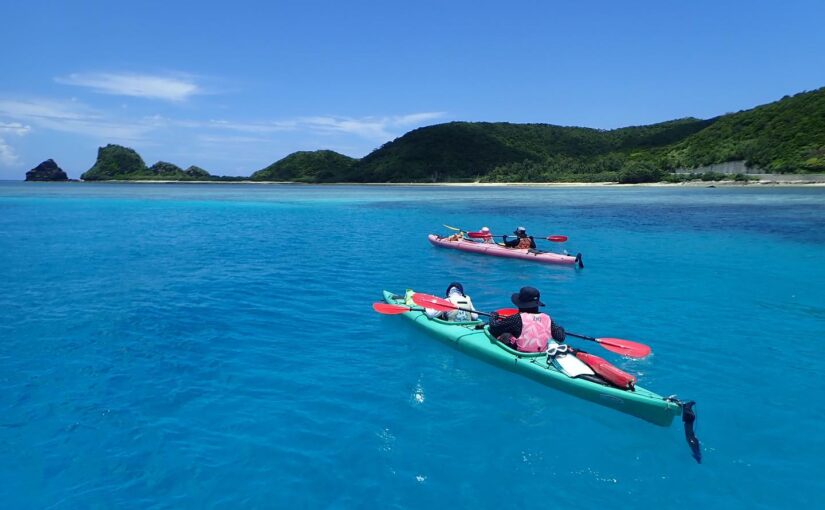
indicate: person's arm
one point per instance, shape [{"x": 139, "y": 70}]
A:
[
  {"x": 507, "y": 339},
  {"x": 557, "y": 332},
  {"x": 473, "y": 315},
  {"x": 511, "y": 244},
  {"x": 505, "y": 325},
  {"x": 532, "y": 243}
]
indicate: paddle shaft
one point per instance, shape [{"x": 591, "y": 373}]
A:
[
  {"x": 546, "y": 238},
  {"x": 452, "y": 306},
  {"x": 583, "y": 337},
  {"x": 473, "y": 311},
  {"x": 601, "y": 341}
]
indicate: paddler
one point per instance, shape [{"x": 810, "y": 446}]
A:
[
  {"x": 488, "y": 237},
  {"x": 529, "y": 330},
  {"x": 522, "y": 240},
  {"x": 455, "y": 294}
]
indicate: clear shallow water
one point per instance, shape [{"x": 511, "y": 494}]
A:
[{"x": 185, "y": 346}]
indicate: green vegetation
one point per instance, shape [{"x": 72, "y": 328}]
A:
[
  {"x": 47, "y": 171},
  {"x": 785, "y": 136},
  {"x": 196, "y": 172},
  {"x": 304, "y": 166},
  {"x": 115, "y": 162},
  {"x": 118, "y": 163},
  {"x": 708, "y": 176}
]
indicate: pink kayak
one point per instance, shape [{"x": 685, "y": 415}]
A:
[{"x": 497, "y": 250}]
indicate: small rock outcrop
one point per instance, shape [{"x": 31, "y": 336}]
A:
[{"x": 47, "y": 171}]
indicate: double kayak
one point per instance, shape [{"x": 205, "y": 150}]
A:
[
  {"x": 474, "y": 338},
  {"x": 497, "y": 250}
]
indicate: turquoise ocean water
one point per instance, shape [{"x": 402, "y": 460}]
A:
[{"x": 194, "y": 346}]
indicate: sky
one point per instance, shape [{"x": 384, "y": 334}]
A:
[{"x": 234, "y": 86}]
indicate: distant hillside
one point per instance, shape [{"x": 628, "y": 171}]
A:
[
  {"x": 785, "y": 136},
  {"x": 305, "y": 166},
  {"x": 781, "y": 137},
  {"x": 474, "y": 150}
]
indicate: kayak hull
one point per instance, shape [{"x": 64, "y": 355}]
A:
[
  {"x": 496, "y": 250},
  {"x": 467, "y": 338}
]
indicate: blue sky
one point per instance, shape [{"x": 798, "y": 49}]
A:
[{"x": 233, "y": 87}]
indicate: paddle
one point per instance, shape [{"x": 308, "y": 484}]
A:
[
  {"x": 442, "y": 305},
  {"x": 485, "y": 235},
  {"x": 617, "y": 345},
  {"x": 390, "y": 309}
]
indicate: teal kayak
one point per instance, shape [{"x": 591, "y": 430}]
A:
[{"x": 473, "y": 338}]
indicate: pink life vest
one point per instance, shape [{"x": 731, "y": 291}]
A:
[{"x": 535, "y": 332}]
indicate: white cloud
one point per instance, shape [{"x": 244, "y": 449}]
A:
[
  {"x": 7, "y": 155},
  {"x": 14, "y": 128},
  {"x": 169, "y": 88},
  {"x": 72, "y": 117},
  {"x": 224, "y": 139},
  {"x": 377, "y": 128},
  {"x": 19, "y": 117},
  {"x": 372, "y": 128},
  {"x": 45, "y": 108}
]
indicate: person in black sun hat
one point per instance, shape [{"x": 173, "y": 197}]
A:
[{"x": 530, "y": 329}]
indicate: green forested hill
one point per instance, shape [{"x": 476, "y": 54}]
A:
[
  {"x": 785, "y": 136},
  {"x": 306, "y": 166},
  {"x": 514, "y": 152}
]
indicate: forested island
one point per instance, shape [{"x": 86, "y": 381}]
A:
[{"x": 786, "y": 136}]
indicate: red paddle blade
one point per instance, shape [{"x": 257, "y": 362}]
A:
[
  {"x": 625, "y": 347},
  {"x": 436, "y": 303},
  {"x": 389, "y": 309},
  {"x": 557, "y": 239},
  {"x": 479, "y": 235},
  {"x": 506, "y": 312}
]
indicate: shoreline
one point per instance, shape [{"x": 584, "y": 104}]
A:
[{"x": 689, "y": 184}]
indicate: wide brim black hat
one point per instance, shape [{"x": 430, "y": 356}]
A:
[{"x": 527, "y": 297}]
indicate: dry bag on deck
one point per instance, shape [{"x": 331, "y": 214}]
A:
[{"x": 608, "y": 372}]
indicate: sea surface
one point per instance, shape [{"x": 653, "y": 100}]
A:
[{"x": 214, "y": 346}]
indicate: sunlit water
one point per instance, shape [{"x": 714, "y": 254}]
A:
[{"x": 192, "y": 346}]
